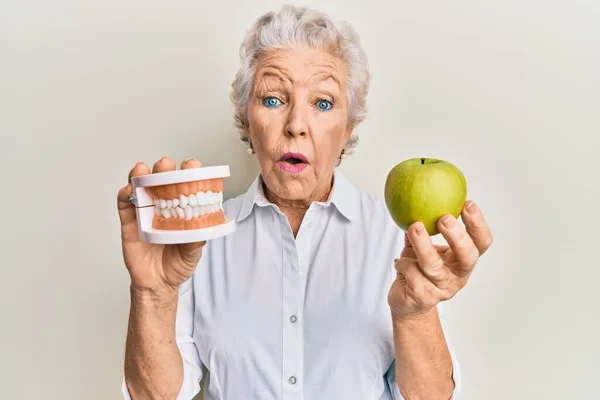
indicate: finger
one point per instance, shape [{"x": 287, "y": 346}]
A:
[
  {"x": 191, "y": 163},
  {"x": 163, "y": 165},
  {"x": 139, "y": 169},
  {"x": 430, "y": 261},
  {"x": 409, "y": 251},
  {"x": 418, "y": 287},
  {"x": 477, "y": 227},
  {"x": 464, "y": 252},
  {"x": 126, "y": 209},
  {"x": 127, "y": 214}
]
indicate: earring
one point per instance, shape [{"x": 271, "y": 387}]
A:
[
  {"x": 343, "y": 155},
  {"x": 250, "y": 149}
]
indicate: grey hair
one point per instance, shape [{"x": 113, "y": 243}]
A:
[{"x": 302, "y": 26}]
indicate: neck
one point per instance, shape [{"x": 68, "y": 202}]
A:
[{"x": 295, "y": 209}]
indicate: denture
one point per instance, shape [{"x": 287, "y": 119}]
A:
[
  {"x": 182, "y": 206},
  {"x": 191, "y": 205}
]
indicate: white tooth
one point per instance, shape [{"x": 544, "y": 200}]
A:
[
  {"x": 157, "y": 203},
  {"x": 180, "y": 213},
  {"x": 165, "y": 213},
  {"x": 183, "y": 200},
  {"x": 173, "y": 212},
  {"x": 196, "y": 211},
  {"x": 209, "y": 197},
  {"x": 193, "y": 200},
  {"x": 169, "y": 204},
  {"x": 157, "y": 211},
  {"x": 221, "y": 197},
  {"x": 189, "y": 212},
  {"x": 201, "y": 196},
  {"x": 203, "y": 210},
  {"x": 175, "y": 202},
  {"x": 163, "y": 203}
]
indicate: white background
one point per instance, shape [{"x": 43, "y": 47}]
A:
[{"x": 508, "y": 90}]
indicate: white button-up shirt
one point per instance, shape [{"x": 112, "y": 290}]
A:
[{"x": 270, "y": 316}]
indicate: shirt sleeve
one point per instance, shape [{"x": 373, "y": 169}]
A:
[
  {"x": 456, "y": 374},
  {"x": 192, "y": 366}
]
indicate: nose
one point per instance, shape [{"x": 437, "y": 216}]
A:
[{"x": 297, "y": 124}]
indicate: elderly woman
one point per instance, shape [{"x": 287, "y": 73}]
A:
[{"x": 317, "y": 294}]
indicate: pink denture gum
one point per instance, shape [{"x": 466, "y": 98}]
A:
[{"x": 182, "y": 206}]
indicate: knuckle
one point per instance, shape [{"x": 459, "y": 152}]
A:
[{"x": 487, "y": 241}]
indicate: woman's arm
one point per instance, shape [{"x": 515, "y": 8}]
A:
[
  {"x": 153, "y": 363},
  {"x": 423, "y": 361}
]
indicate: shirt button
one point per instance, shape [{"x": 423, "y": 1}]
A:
[
  {"x": 309, "y": 225},
  {"x": 293, "y": 319},
  {"x": 292, "y": 380}
]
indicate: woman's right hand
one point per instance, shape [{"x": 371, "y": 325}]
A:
[{"x": 154, "y": 268}]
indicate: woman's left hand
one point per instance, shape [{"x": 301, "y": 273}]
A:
[{"x": 428, "y": 273}]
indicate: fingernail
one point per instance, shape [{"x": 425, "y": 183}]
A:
[
  {"x": 471, "y": 207},
  {"x": 419, "y": 228},
  {"x": 448, "y": 221}
]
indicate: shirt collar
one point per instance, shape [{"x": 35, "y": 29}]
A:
[{"x": 344, "y": 196}]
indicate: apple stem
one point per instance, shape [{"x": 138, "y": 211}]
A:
[{"x": 422, "y": 161}]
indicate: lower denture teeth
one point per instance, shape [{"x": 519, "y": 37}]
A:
[
  {"x": 180, "y": 213},
  {"x": 189, "y": 212},
  {"x": 196, "y": 211},
  {"x": 157, "y": 211},
  {"x": 165, "y": 213},
  {"x": 173, "y": 212}
]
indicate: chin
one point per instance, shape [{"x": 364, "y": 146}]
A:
[{"x": 290, "y": 186}]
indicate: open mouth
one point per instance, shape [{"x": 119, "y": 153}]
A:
[
  {"x": 293, "y": 158},
  {"x": 293, "y": 162}
]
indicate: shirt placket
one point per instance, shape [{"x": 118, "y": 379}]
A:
[{"x": 296, "y": 257}]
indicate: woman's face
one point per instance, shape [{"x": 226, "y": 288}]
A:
[{"x": 298, "y": 121}]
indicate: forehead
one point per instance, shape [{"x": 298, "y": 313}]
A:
[{"x": 301, "y": 66}]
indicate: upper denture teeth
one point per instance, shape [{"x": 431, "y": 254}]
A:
[
  {"x": 193, "y": 200},
  {"x": 175, "y": 202},
  {"x": 183, "y": 201},
  {"x": 163, "y": 203},
  {"x": 169, "y": 204},
  {"x": 157, "y": 203},
  {"x": 201, "y": 196}
]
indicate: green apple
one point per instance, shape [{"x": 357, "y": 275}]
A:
[{"x": 424, "y": 189}]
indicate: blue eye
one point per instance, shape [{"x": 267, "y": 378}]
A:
[
  {"x": 271, "y": 101},
  {"x": 324, "y": 105}
]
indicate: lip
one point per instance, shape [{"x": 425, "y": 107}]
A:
[{"x": 290, "y": 167}]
